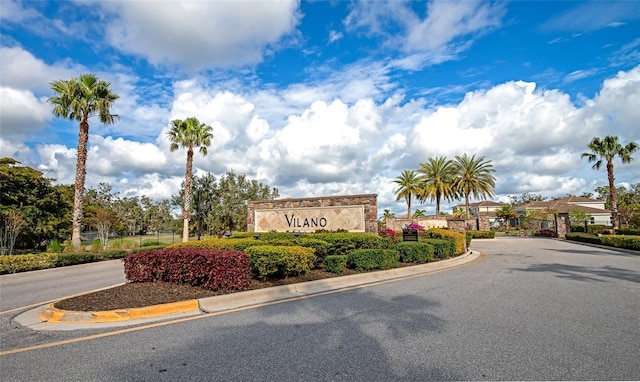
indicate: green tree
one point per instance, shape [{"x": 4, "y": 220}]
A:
[
  {"x": 419, "y": 213},
  {"x": 473, "y": 177},
  {"x": 46, "y": 208},
  {"x": 79, "y": 99},
  {"x": 506, "y": 212},
  {"x": 604, "y": 151},
  {"x": 189, "y": 133},
  {"x": 436, "y": 180},
  {"x": 408, "y": 186}
]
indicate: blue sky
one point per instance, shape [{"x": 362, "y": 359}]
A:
[{"x": 328, "y": 97}]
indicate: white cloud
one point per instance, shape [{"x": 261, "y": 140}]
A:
[
  {"x": 200, "y": 34},
  {"x": 21, "y": 113}
]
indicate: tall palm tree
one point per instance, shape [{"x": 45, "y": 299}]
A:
[
  {"x": 506, "y": 213},
  {"x": 408, "y": 185},
  {"x": 188, "y": 134},
  {"x": 604, "y": 151},
  {"x": 79, "y": 99},
  {"x": 473, "y": 177},
  {"x": 436, "y": 180}
]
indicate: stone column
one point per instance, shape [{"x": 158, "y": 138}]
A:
[{"x": 563, "y": 225}]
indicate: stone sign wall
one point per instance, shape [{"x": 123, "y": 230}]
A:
[{"x": 354, "y": 213}]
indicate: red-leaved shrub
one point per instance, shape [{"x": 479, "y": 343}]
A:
[{"x": 213, "y": 269}]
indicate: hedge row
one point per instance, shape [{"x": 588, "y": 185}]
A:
[
  {"x": 32, "y": 262},
  {"x": 481, "y": 234},
  {"x": 458, "y": 239},
  {"x": 583, "y": 237},
  {"x": 628, "y": 231},
  {"x": 210, "y": 268},
  {"x": 368, "y": 259},
  {"x": 621, "y": 241}
]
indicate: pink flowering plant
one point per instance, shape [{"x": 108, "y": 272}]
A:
[{"x": 416, "y": 226}]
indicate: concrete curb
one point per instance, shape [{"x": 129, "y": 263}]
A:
[{"x": 52, "y": 315}]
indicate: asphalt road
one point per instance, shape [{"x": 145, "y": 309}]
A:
[{"x": 531, "y": 309}]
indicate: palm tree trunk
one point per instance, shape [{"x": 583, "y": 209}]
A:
[
  {"x": 409, "y": 207},
  {"x": 81, "y": 172},
  {"x": 612, "y": 195},
  {"x": 187, "y": 195},
  {"x": 466, "y": 207}
]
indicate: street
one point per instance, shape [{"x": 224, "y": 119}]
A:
[{"x": 531, "y": 309}]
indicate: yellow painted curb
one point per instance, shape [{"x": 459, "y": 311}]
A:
[{"x": 51, "y": 314}]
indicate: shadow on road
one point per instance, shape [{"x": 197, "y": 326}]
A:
[{"x": 582, "y": 273}]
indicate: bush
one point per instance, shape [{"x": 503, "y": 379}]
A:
[
  {"x": 595, "y": 229},
  {"x": 482, "y": 234},
  {"x": 415, "y": 252},
  {"x": 628, "y": 231},
  {"x": 577, "y": 228},
  {"x": 216, "y": 243},
  {"x": 65, "y": 259},
  {"x": 621, "y": 241},
  {"x": 442, "y": 248},
  {"x": 280, "y": 261},
  {"x": 341, "y": 243},
  {"x": 210, "y": 268},
  {"x": 55, "y": 247},
  {"x": 389, "y": 238},
  {"x": 321, "y": 247},
  {"x": 545, "y": 232},
  {"x": 584, "y": 237},
  {"x": 23, "y": 263},
  {"x": 458, "y": 239},
  {"x": 271, "y": 235},
  {"x": 335, "y": 263},
  {"x": 366, "y": 259},
  {"x": 149, "y": 242}
]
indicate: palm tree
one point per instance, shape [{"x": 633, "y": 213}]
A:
[
  {"x": 80, "y": 99},
  {"x": 187, "y": 134},
  {"x": 408, "y": 185},
  {"x": 473, "y": 177},
  {"x": 506, "y": 213},
  {"x": 419, "y": 213},
  {"x": 604, "y": 151},
  {"x": 436, "y": 180}
]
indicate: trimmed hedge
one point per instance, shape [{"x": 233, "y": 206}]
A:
[
  {"x": 442, "y": 248},
  {"x": 211, "y": 268},
  {"x": 219, "y": 243},
  {"x": 458, "y": 239},
  {"x": 481, "y": 234},
  {"x": 341, "y": 243},
  {"x": 415, "y": 252},
  {"x": 621, "y": 241},
  {"x": 366, "y": 259},
  {"x": 628, "y": 231},
  {"x": 584, "y": 237},
  {"x": 335, "y": 263},
  {"x": 280, "y": 261},
  {"x": 23, "y": 263}
]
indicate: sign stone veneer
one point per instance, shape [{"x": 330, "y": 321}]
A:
[{"x": 354, "y": 213}]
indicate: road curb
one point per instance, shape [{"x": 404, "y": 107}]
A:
[{"x": 52, "y": 315}]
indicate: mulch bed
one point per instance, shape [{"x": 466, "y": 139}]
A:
[{"x": 138, "y": 295}]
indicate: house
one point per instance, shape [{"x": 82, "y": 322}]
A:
[
  {"x": 477, "y": 209},
  {"x": 592, "y": 207}
]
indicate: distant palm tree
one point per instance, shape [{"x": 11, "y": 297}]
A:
[
  {"x": 408, "y": 185},
  {"x": 436, "y": 180},
  {"x": 506, "y": 213},
  {"x": 419, "y": 213},
  {"x": 604, "y": 151},
  {"x": 473, "y": 177},
  {"x": 187, "y": 134},
  {"x": 80, "y": 99}
]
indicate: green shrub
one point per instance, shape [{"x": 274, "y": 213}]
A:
[
  {"x": 24, "y": 263},
  {"x": 458, "y": 239},
  {"x": 65, "y": 259},
  {"x": 279, "y": 235},
  {"x": 415, "y": 252},
  {"x": 621, "y": 241},
  {"x": 321, "y": 247},
  {"x": 280, "y": 261},
  {"x": 149, "y": 242},
  {"x": 482, "y": 234},
  {"x": 55, "y": 247},
  {"x": 335, "y": 263},
  {"x": 628, "y": 231},
  {"x": 584, "y": 237},
  {"x": 366, "y": 259},
  {"x": 219, "y": 243},
  {"x": 442, "y": 248},
  {"x": 595, "y": 229},
  {"x": 341, "y": 243}
]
